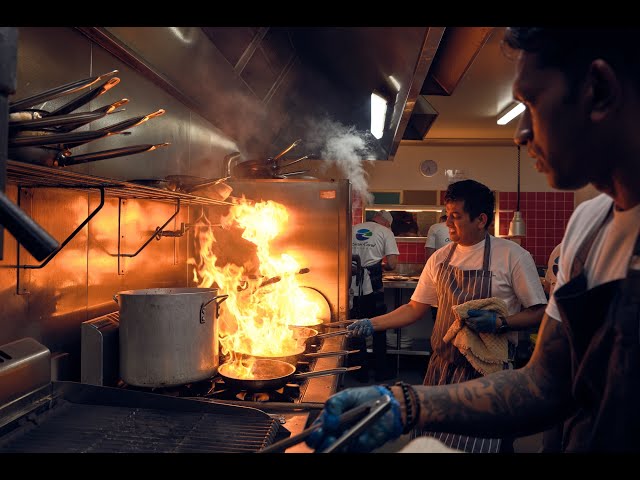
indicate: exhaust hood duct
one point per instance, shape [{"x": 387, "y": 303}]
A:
[{"x": 263, "y": 87}]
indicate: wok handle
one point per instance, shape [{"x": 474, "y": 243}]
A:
[{"x": 204, "y": 305}]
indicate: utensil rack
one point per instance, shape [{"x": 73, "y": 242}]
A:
[
  {"x": 31, "y": 175},
  {"x": 26, "y": 175}
]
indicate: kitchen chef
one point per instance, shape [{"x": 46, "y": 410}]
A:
[{"x": 581, "y": 88}]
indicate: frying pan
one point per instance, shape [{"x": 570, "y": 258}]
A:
[
  {"x": 273, "y": 374},
  {"x": 74, "y": 139},
  {"x": 298, "y": 354},
  {"x": 311, "y": 335},
  {"x": 86, "y": 97},
  {"x": 63, "y": 161},
  {"x": 56, "y": 157},
  {"x": 58, "y": 92}
]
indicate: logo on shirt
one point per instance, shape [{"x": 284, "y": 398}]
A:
[{"x": 363, "y": 234}]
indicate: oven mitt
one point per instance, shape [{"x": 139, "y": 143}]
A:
[
  {"x": 382, "y": 430},
  {"x": 360, "y": 328}
]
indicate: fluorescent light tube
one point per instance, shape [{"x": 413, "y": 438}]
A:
[
  {"x": 517, "y": 109},
  {"x": 378, "y": 115}
]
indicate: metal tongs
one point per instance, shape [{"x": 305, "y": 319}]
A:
[{"x": 365, "y": 414}]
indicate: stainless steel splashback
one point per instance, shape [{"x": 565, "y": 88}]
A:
[{"x": 318, "y": 233}]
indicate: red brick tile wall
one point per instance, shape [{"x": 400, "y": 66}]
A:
[
  {"x": 411, "y": 252},
  {"x": 545, "y": 216}
]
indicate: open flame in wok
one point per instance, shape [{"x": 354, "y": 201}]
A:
[{"x": 255, "y": 317}]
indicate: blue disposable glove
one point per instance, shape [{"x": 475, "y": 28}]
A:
[
  {"x": 383, "y": 429},
  {"x": 360, "y": 328},
  {"x": 482, "y": 320}
]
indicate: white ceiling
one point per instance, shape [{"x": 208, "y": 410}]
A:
[{"x": 469, "y": 115}]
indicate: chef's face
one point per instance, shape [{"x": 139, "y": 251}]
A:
[
  {"x": 462, "y": 229},
  {"x": 554, "y": 126}
]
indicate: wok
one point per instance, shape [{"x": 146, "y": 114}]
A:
[{"x": 272, "y": 374}]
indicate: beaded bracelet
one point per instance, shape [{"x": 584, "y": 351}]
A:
[{"x": 408, "y": 402}]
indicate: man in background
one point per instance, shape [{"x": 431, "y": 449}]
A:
[
  {"x": 373, "y": 241},
  {"x": 437, "y": 236}
]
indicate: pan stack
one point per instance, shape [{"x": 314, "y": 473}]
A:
[{"x": 47, "y": 137}]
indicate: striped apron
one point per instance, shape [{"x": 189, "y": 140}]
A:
[
  {"x": 453, "y": 287},
  {"x": 447, "y": 365}
]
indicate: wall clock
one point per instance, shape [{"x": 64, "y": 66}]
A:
[{"x": 428, "y": 168}]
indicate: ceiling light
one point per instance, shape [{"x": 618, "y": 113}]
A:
[
  {"x": 378, "y": 114},
  {"x": 509, "y": 113}
]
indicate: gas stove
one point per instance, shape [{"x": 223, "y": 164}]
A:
[{"x": 295, "y": 405}]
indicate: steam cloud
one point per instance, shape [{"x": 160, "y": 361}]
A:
[{"x": 342, "y": 146}]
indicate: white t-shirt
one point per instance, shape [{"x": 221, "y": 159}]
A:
[
  {"x": 437, "y": 236},
  {"x": 609, "y": 257},
  {"x": 372, "y": 242},
  {"x": 514, "y": 276}
]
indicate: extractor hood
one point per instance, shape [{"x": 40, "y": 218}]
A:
[{"x": 265, "y": 87}]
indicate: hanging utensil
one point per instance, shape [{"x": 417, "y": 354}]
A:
[
  {"x": 86, "y": 97},
  {"x": 132, "y": 122},
  {"x": 58, "y": 92},
  {"x": 63, "y": 160},
  {"x": 53, "y": 121},
  {"x": 65, "y": 140},
  {"x": 286, "y": 150}
]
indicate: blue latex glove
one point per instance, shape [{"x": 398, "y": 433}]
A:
[
  {"x": 385, "y": 428},
  {"x": 360, "y": 328},
  {"x": 482, "y": 320}
]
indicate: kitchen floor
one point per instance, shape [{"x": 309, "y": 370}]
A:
[{"x": 411, "y": 369}]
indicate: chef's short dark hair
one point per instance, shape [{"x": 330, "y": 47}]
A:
[
  {"x": 477, "y": 197},
  {"x": 572, "y": 50}
]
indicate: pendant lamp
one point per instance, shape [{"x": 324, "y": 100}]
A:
[{"x": 517, "y": 227}]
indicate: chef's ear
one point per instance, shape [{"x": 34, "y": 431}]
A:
[
  {"x": 603, "y": 91},
  {"x": 482, "y": 220}
]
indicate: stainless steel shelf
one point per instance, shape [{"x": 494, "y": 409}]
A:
[{"x": 30, "y": 175}]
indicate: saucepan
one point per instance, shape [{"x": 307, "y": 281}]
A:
[{"x": 272, "y": 374}]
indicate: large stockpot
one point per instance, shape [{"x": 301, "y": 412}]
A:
[{"x": 168, "y": 336}]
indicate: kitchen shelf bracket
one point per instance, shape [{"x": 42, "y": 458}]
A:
[
  {"x": 66, "y": 241},
  {"x": 157, "y": 234},
  {"x": 19, "y": 268}
]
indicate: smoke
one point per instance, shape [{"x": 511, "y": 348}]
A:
[{"x": 342, "y": 146}]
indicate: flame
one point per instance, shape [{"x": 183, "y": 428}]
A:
[{"x": 255, "y": 319}]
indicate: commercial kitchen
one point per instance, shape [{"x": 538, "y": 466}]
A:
[{"x": 216, "y": 172}]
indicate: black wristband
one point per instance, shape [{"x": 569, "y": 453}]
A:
[{"x": 409, "y": 395}]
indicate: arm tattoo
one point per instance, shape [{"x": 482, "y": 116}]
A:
[{"x": 518, "y": 402}]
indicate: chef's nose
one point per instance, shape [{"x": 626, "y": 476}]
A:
[{"x": 523, "y": 133}]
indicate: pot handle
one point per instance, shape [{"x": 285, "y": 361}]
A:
[
  {"x": 115, "y": 298},
  {"x": 204, "y": 305}
]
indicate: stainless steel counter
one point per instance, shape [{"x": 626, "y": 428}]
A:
[{"x": 318, "y": 389}]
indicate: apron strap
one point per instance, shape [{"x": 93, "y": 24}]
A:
[{"x": 487, "y": 252}]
